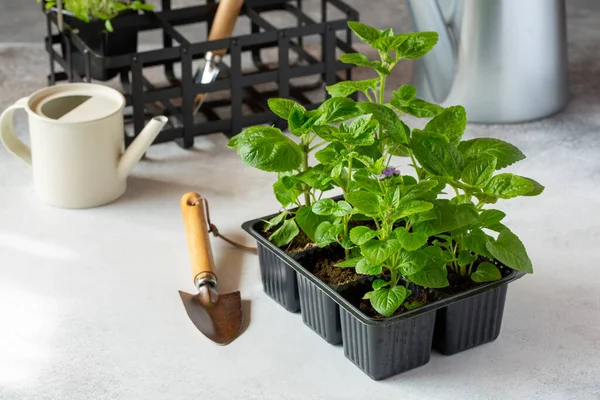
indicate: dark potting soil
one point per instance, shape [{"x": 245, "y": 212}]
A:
[
  {"x": 322, "y": 262},
  {"x": 459, "y": 283}
]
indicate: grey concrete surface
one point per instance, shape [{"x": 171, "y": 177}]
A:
[{"x": 89, "y": 307}]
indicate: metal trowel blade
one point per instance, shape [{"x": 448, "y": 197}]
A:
[
  {"x": 221, "y": 322},
  {"x": 209, "y": 74}
]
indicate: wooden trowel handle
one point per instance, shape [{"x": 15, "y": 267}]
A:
[
  {"x": 196, "y": 229},
  {"x": 224, "y": 22}
]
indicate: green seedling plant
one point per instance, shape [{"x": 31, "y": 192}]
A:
[
  {"x": 400, "y": 228},
  {"x": 469, "y": 167},
  {"x": 343, "y": 146},
  {"x": 105, "y": 10},
  {"x": 299, "y": 185}
]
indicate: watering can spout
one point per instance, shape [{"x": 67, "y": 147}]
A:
[
  {"x": 138, "y": 147},
  {"x": 440, "y": 63}
]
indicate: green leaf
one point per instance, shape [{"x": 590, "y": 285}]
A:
[
  {"x": 379, "y": 67},
  {"x": 450, "y": 123},
  {"x": 379, "y": 283},
  {"x": 146, "y": 7},
  {"x": 346, "y": 88},
  {"x": 449, "y": 217},
  {"x": 388, "y": 120},
  {"x": 324, "y": 207},
  {"x": 386, "y": 301},
  {"x": 431, "y": 134},
  {"x": 275, "y": 221},
  {"x": 486, "y": 272},
  {"x": 283, "y": 107},
  {"x": 412, "y": 262},
  {"x": 285, "y": 234},
  {"x": 378, "y": 251},
  {"x": 507, "y": 186},
  {"x": 410, "y": 241},
  {"x": 489, "y": 218},
  {"x": 417, "y": 108},
  {"x": 437, "y": 157},
  {"x": 386, "y": 44},
  {"x": 267, "y": 149},
  {"x": 300, "y": 121},
  {"x": 509, "y": 250},
  {"x": 366, "y": 33},
  {"x": 434, "y": 274},
  {"x": 366, "y": 202},
  {"x": 486, "y": 198},
  {"x": 367, "y": 295},
  {"x": 411, "y": 207},
  {"x": 283, "y": 193},
  {"x": 417, "y": 191},
  {"x": 361, "y": 234},
  {"x": 328, "y": 233},
  {"x": 308, "y": 221},
  {"x": 336, "y": 171},
  {"x": 356, "y": 59},
  {"x": 316, "y": 177},
  {"x": 479, "y": 171},
  {"x": 536, "y": 190},
  {"x": 361, "y": 132},
  {"x": 431, "y": 276},
  {"x": 336, "y": 109},
  {"x": 334, "y": 153},
  {"x": 505, "y": 153},
  {"x": 405, "y": 93},
  {"x": 365, "y": 268},
  {"x": 373, "y": 151},
  {"x": 411, "y": 305},
  {"x": 476, "y": 241},
  {"x": 350, "y": 263},
  {"x": 465, "y": 257},
  {"x": 417, "y": 44},
  {"x": 363, "y": 180},
  {"x": 108, "y": 26}
]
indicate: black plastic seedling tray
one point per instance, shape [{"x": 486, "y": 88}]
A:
[{"x": 385, "y": 347}]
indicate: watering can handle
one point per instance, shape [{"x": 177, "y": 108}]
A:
[
  {"x": 7, "y": 133},
  {"x": 196, "y": 229}
]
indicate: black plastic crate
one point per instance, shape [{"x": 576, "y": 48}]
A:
[{"x": 243, "y": 92}]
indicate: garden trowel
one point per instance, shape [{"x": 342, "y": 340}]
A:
[
  {"x": 217, "y": 316},
  {"x": 222, "y": 27}
]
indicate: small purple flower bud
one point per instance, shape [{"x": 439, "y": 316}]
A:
[{"x": 390, "y": 171}]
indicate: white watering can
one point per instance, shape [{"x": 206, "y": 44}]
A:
[
  {"x": 504, "y": 60},
  {"x": 77, "y": 142}
]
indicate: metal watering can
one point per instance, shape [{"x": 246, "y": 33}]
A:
[{"x": 505, "y": 61}]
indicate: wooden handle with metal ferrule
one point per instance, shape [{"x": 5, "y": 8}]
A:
[
  {"x": 196, "y": 229},
  {"x": 224, "y": 22}
]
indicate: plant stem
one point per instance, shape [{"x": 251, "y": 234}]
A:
[
  {"x": 305, "y": 187},
  {"x": 414, "y": 164},
  {"x": 382, "y": 90},
  {"x": 349, "y": 173},
  {"x": 455, "y": 191},
  {"x": 346, "y": 222},
  {"x": 316, "y": 146},
  {"x": 470, "y": 268}
]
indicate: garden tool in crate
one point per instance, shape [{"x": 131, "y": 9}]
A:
[{"x": 222, "y": 27}]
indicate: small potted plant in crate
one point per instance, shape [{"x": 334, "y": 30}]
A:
[
  {"x": 400, "y": 262},
  {"x": 93, "y": 20}
]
